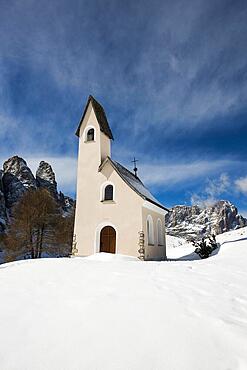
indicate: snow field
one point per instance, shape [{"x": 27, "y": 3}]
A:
[{"x": 115, "y": 312}]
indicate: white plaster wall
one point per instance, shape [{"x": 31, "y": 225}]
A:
[{"x": 153, "y": 252}]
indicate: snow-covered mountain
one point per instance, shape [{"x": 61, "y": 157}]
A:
[
  {"x": 194, "y": 221},
  {"x": 16, "y": 178}
]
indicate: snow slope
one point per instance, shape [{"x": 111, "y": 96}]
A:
[{"x": 111, "y": 312}]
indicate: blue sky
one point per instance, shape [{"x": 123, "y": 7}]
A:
[{"x": 171, "y": 75}]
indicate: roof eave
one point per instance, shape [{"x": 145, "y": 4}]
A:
[
  {"x": 82, "y": 117},
  {"x": 103, "y": 163},
  {"x": 132, "y": 187},
  {"x": 157, "y": 204}
]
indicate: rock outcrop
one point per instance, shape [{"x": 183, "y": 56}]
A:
[
  {"x": 67, "y": 204},
  {"x": 16, "y": 178},
  {"x": 194, "y": 222},
  {"x": 46, "y": 178}
]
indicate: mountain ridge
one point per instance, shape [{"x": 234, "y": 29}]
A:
[{"x": 193, "y": 222}]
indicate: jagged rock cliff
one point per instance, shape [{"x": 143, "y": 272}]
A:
[
  {"x": 16, "y": 178},
  {"x": 45, "y": 178},
  {"x": 193, "y": 221}
]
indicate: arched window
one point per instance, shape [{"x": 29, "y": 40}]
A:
[
  {"x": 108, "y": 195},
  {"x": 150, "y": 230},
  {"x": 90, "y": 135},
  {"x": 160, "y": 233},
  {"x": 107, "y": 191}
]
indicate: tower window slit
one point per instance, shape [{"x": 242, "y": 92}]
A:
[{"x": 90, "y": 135}]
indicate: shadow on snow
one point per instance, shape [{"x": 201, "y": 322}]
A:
[{"x": 194, "y": 256}]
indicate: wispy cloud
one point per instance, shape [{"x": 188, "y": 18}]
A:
[
  {"x": 35, "y": 134},
  {"x": 170, "y": 174},
  {"x": 181, "y": 73},
  {"x": 241, "y": 184},
  {"x": 7, "y": 124},
  {"x": 213, "y": 191}
]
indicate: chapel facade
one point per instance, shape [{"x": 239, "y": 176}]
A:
[{"x": 113, "y": 206}]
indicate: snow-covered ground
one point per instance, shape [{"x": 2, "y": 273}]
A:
[{"x": 110, "y": 312}]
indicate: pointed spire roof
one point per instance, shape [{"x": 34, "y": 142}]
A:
[{"x": 100, "y": 115}]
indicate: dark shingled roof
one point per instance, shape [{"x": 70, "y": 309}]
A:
[
  {"x": 134, "y": 182},
  {"x": 100, "y": 115}
]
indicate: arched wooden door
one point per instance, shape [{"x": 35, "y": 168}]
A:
[{"x": 108, "y": 240}]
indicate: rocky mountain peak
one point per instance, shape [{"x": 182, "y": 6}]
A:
[
  {"x": 17, "y": 166},
  {"x": 46, "y": 178},
  {"x": 195, "y": 221},
  {"x": 17, "y": 178},
  {"x": 13, "y": 164}
]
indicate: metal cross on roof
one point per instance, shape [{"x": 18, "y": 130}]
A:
[{"x": 135, "y": 168}]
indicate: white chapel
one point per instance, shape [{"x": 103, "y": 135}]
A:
[{"x": 114, "y": 210}]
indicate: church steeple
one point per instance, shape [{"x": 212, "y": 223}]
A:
[
  {"x": 100, "y": 115},
  {"x": 94, "y": 134}
]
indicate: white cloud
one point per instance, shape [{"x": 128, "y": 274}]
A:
[
  {"x": 241, "y": 184},
  {"x": 7, "y": 124},
  {"x": 218, "y": 186},
  {"x": 171, "y": 174},
  {"x": 213, "y": 191}
]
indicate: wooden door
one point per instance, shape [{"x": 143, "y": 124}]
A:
[{"x": 108, "y": 240}]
